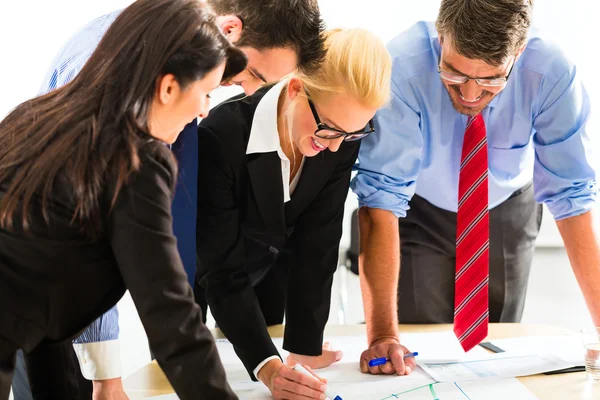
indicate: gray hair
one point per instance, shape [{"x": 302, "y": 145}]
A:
[{"x": 488, "y": 30}]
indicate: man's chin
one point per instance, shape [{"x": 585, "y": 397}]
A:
[{"x": 470, "y": 111}]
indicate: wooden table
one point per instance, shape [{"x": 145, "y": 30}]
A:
[{"x": 150, "y": 380}]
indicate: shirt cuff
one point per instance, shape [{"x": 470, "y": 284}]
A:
[
  {"x": 99, "y": 360},
  {"x": 262, "y": 364}
]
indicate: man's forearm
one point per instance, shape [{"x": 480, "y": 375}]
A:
[
  {"x": 379, "y": 264},
  {"x": 583, "y": 247}
]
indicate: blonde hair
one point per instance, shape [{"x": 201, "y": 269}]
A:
[{"x": 357, "y": 64}]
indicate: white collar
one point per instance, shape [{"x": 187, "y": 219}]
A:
[{"x": 264, "y": 136}]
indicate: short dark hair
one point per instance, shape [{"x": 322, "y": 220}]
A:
[
  {"x": 295, "y": 24},
  {"x": 488, "y": 30}
]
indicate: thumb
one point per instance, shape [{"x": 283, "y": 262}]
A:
[
  {"x": 364, "y": 364},
  {"x": 290, "y": 360},
  {"x": 329, "y": 357},
  {"x": 337, "y": 353}
]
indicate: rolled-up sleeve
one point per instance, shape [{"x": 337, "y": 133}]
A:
[
  {"x": 390, "y": 158},
  {"x": 564, "y": 177}
]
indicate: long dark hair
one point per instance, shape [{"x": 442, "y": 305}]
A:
[{"x": 89, "y": 131}]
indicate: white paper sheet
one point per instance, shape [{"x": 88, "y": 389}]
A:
[
  {"x": 500, "y": 389},
  {"x": 339, "y": 375},
  {"x": 566, "y": 347},
  {"x": 501, "y": 365},
  {"x": 345, "y": 378},
  {"x": 431, "y": 346}
]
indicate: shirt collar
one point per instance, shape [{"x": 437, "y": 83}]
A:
[{"x": 264, "y": 136}]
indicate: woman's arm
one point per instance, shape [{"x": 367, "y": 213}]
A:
[
  {"x": 222, "y": 254},
  {"x": 140, "y": 230},
  {"x": 314, "y": 259}
]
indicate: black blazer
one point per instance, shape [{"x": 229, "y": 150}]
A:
[
  {"x": 244, "y": 228},
  {"x": 54, "y": 281}
]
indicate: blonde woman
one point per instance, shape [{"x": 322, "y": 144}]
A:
[{"x": 273, "y": 178}]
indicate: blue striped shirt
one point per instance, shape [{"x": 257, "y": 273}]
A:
[
  {"x": 75, "y": 53},
  {"x": 66, "y": 65}
]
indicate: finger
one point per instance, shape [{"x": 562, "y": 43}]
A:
[
  {"x": 290, "y": 360},
  {"x": 312, "y": 382},
  {"x": 410, "y": 364},
  {"x": 309, "y": 369},
  {"x": 338, "y": 355},
  {"x": 294, "y": 396},
  {"x": 280, "y": 394},
  {"x": 364, "y": 362},
  {"x": 295, "y": 390},
  {"x": 396, "y": 354},
  {"x": 327, "y": 358},
  {"x": 367, "y": 356},
  {"x": 387, "y": 368},
  {"x": 376, "y": 370}
]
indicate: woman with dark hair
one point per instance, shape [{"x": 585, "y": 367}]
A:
[{"x": 86, "y": 184}]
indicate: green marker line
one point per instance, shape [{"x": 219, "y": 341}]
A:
[
  {"x": 395, "y": 395},
  {"x": 432, "y": 390}
]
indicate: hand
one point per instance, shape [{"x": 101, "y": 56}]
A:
[
  {"x": 327, "y": 357},
  {"x": 392, "y": 349},
  {"x": 285, "y": 383},
  {"x": 109, "y": 389}
]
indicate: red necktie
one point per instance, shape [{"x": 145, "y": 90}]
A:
[{"x": 471, "y": 313}]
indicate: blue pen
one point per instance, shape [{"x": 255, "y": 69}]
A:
[{"x": 382, "y": 360}]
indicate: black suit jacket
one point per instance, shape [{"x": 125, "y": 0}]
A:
[
  {"x": 54, "y": 281},
  {"x": 244, "y": 228}
]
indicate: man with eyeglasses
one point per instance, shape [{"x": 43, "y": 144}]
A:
[{"x": 487, "y": 120}]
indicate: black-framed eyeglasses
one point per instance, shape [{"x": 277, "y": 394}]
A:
[
  {"x": 325, "y": 131},
  {"x": 458, "y": 79}
]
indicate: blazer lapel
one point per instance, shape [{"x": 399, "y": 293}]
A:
[
  {"x": 264, "y": 170},
  {"x": 315, "y": 173}
]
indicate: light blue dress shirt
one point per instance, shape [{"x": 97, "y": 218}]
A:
[
  {"x": 75, "y": 53},
  {"x": 66, "y": 65},
  {"x": 536, "y": 129}
]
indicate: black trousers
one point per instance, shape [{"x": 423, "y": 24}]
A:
[
  {"x": 52, "y": 369},
  {"x": 270, "y": 291},
  {"x": 428, "y": 264}
]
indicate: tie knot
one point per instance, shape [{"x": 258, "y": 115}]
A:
[{"x": 472, "y": 118}]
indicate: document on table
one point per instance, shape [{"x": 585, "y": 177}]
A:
[
  {"x": 338, "y": 374},
  {"x": 566, "y": 347},
  {"x": 500, "y": 389},
  {"x": 501, "y": 365},
  {"x": 432, "y": 346},
  {"x": 345, "y": 378}
]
